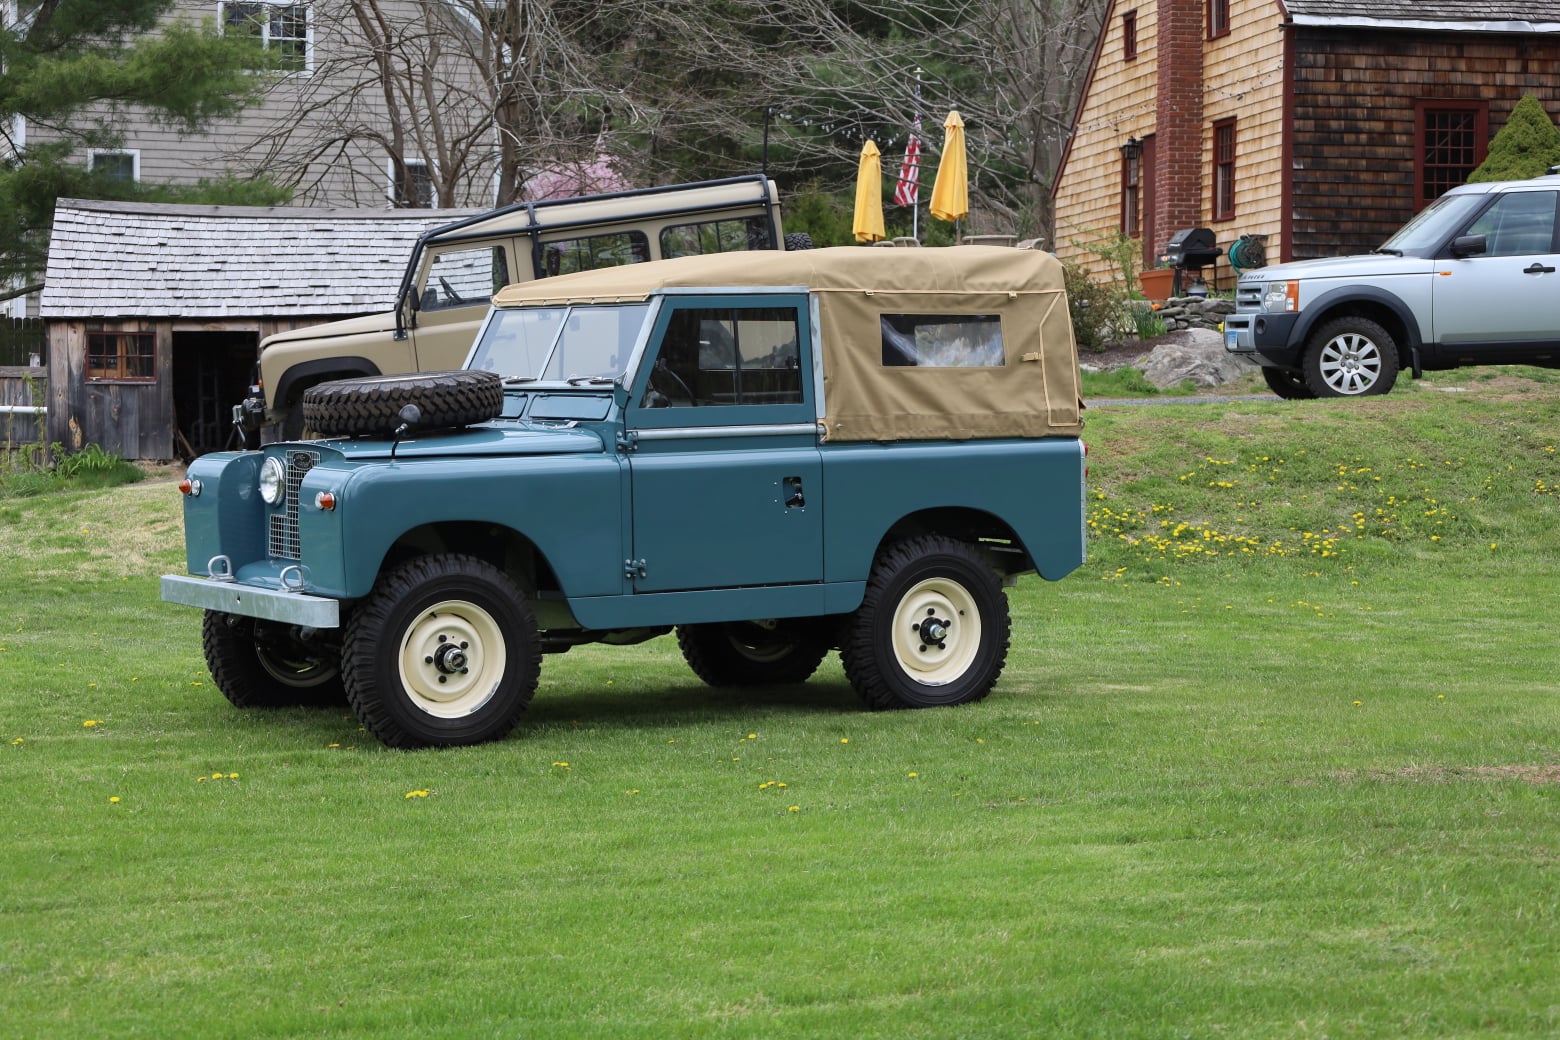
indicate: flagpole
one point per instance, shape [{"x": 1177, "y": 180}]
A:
[{"x": 915, "y": 210}]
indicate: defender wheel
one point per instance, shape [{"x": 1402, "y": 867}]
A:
[
  {"x": 932, "y": 629},
  {"x": 1286, "y": 384},
  {"x": 753, "y": 653},
  {"x": 372, "y": 407},
  {"x": 1350, "y": 357},
  {"x": 443, "y": 652},
  {"x": 256, "y": 665}
]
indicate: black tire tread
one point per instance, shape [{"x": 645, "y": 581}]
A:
[
  {"x": 710, "y": 653},
  {"x": 1390, "y": 364},
  {"x": 231, "y": 658},
  {"x": 367, "y": 407}
]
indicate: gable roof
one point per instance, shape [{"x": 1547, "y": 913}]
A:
[
  {"x": 128, "y": 259},
  {"x": 1542, "y": 16}
]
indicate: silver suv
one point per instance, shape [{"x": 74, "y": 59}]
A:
[{"x": 1471, "y": 280}]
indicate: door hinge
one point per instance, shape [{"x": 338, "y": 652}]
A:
[
  {"x": 633, "y": 569},
  {"x": 627, "y": 441}
]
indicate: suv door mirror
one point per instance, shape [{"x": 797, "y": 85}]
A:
[{"x": 1468, "y": 245}]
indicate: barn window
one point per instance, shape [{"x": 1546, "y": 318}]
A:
[
  {"x": 1224, "y": 170},
  {"x": 129, "y": 356},
  {"x": 1129, "y": 48},
  {"x": 418, "y": 193},
  {"x": 1218, "y": 18},
  {"x": 1451, "y": 138}
]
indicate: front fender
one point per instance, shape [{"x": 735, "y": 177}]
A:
[{"x": 1349, "y": 298}]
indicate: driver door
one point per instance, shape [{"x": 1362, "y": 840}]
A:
[
  {"x": 455, "y": 293},
  {"x": 1501, "y": 301},
  {"x": 724, "y": 463}
]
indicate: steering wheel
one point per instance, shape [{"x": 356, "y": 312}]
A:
[
  {"x": 449, "y": 292},
  {"x": 673, "y": 384}
]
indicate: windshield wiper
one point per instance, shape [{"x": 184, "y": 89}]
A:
[
  {"x": 517, "y": 380},
  {"x": 1389, "y": 252},
  {"x": 591, "y": 380}
]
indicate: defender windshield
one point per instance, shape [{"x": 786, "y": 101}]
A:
[
  {"x": 580, "y": 342},
  {"x": 1433, "y": 225}
]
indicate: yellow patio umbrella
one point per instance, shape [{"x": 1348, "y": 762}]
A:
[
  {"x": 951, "y": 191},
  {"x": 869, "y": 195}
]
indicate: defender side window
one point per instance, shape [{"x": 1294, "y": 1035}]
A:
[
  {"x": 463, "y": 277},
  {"x": 727, "y": 356},
  {"x": 942, "y": 340},
  {"x": 715, "y": 236},
  {"x": 565, "y": 256}
]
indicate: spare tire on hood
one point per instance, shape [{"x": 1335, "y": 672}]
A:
[{"x": 371, "y": 407}]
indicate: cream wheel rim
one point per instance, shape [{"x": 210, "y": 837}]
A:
[
  {"x": 937, "y": 631},
  {"x": 452, "y": 659}
]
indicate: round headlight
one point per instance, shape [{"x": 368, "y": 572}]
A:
[{"x": 273, "y": 482}]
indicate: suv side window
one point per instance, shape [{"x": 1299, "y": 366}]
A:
[
  {"x": 565, "y": 256},
  {"x": 1518, "y": 224},
  {"x": 715, "y": 236},
  {"x": 462, "y": 277},
  {"x": 727, "y": 356}
]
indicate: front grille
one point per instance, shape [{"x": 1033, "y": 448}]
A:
[
  {"x": 284, "y": 523},
  {"x": 1248, "y": 297}
]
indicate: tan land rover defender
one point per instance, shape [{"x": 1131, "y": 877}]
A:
[{"x": 455, "y": 269}]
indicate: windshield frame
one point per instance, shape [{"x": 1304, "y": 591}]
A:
[
  {"x": 626, "y": 361},
  {"x": 1427, "y": 234}
]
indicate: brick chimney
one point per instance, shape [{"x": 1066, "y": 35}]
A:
[{"x": 1178, "y": 118}]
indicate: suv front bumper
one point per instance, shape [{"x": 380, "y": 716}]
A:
[{"x": 1265, "y": 338}]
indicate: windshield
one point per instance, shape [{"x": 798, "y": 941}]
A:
[
  {"x": 582, "y": 342},
  {"x": 1429, "y": 230}
]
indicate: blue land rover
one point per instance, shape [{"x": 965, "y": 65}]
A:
[{"x": 772, "y": 454}]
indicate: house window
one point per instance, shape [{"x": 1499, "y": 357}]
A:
[
  {"x": 1224, "y": 170},
  {"x": 421, "y": 188},
  {"x": 283, "y": 28},
  {"x": 1218, "y": 18},
  {"x": 117, "y": 166},
  {"x": 1451, "y": 137},
  {"x": 121, "y": 356},
  {"x": 1131, "y": 190},
  {"x": 1129, "y": 35}
]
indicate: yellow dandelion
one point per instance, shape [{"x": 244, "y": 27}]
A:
[
  {"x": 844, "y": 740},
  {"x": 1356, "y": 704},
  {"x": 333, "y": 745},
  {"x": 752, "y": 736},
  {"x": 560, "y": 765},
  {"x": 421, "y": 793},
  {"x": 89, "y": 723},
  {"x": 793, "y": 808},
  {"x": 17, "y": 741},
  {"x": 912, "y": 776},
  {"x": 216, "y": 776},
  {"x": 113, "y": 800},
  {"x": 232, "y": 776}
]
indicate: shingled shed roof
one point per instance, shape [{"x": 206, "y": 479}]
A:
[
  {"x": 1540, "y": 16},
  {"x": 125, "y": 259}
]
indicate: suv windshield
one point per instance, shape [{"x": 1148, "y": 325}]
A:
[
  {"x": 1433, "y": 225},
  {"x": 527, "y": 344}
]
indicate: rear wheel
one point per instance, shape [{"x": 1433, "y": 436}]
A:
[
  {"x": 932, "y": 629},
  {"x": 443, "y": 652},
  {"x": 1350, "y": 357},
  {"x": 259, "y": 665},
  {"x": 753, "y": 653},
  {"x": 1286, "y": 384}
]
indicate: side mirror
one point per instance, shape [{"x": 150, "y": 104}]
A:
[{"x": 1468, "y": 245}]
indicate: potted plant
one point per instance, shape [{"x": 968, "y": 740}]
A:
[{"x": 1156, "y": 281}]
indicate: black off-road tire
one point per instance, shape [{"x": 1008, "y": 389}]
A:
[
  {"x": 1289, "y": 385},
  {"x": 256, "y": 666},
  {"x": 932, "y": 629},
  {"x": 798, "y": 240},
  {"x": 754, "y": 653},
  {"x": 1350, "y": 357},
  {"x": 443, "y": 652},
  {"x": 371, "y": 407}
]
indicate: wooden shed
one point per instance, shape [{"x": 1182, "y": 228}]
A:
[{"x": 154, "y": 312}]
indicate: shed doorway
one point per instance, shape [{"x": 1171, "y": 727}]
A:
[{"x": 211, "y": 373}]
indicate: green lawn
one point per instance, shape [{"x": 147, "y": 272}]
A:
[{"x": 1281, "y": 761}]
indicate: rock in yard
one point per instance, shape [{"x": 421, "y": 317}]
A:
[{"x": 1197, "y": 355}]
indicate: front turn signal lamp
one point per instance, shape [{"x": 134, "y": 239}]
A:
[{"x": 325, "y": 501}]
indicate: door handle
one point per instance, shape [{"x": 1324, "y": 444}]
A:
[
  {"x": 1537, "y": 268},
  {"x": 794, "y": 499}
]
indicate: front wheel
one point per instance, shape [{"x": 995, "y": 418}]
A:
[
  {"x": 443, "y": 652},
  {"x": 259, "y": 665},
  {"x": 1350, "y": 357},
  {"x": 754, "y": 653},
  {"x": 932, "y": 629}
]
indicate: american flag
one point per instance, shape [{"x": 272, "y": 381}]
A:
[{"x": 907, "y": 191}]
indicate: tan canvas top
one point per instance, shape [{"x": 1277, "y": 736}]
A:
[{"x": 1033, "y": 393}]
